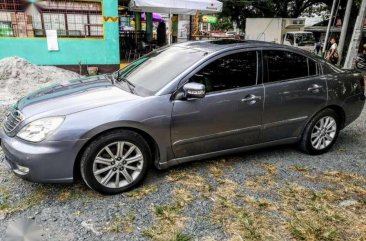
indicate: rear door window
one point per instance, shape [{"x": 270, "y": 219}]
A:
[
  {"x": 285, "y": 65},
  {"x": 312, "y": 68}
]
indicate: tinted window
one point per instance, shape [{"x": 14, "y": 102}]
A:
[
  {"x": 230, "y": 72},
  {"x": 312, "y": 68},
  {"x": 282, "y": 65}
]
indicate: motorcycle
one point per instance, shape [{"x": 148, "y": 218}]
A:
[{"x": 360, "y": 61}]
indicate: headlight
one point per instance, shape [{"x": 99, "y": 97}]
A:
[{"x": 39, "y": 130}]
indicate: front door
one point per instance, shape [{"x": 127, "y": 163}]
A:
[
  {"x": 294, "y": 92},
  {"x": 229, "y": 116}
]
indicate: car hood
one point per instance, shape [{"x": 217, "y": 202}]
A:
[{"x": 75, "y": 96}]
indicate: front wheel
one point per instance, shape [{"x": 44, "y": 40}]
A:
[
  {"x": 321, "y": 133},
  {"x": 115, "y": 162}
]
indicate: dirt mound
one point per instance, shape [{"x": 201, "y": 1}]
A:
[{"x": 18, "y": 77}]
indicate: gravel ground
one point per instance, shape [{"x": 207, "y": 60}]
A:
[
  {"x": 72, "y": 212},
  {"x": 271, "y": 194}
]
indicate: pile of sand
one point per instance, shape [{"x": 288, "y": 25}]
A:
[{"x": 18, "y": 77}]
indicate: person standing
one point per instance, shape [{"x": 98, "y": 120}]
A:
[
  {"x": 333, "y": 56},
  {"x": 161, "y": 34},
  {"x": 318, "y": 46}
]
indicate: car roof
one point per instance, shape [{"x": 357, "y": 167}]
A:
[
  {"x": 212, "y": 46},
  {"x": 221, "y": 45}
]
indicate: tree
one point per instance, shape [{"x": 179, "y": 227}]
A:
[
  {"x": 223, "y": 23},
  {"x": 238, "y": 10}
]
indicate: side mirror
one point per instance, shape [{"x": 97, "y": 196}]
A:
[{"x": 194, "y": 91}]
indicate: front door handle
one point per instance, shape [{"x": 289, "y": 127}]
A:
[
  {"x": 315, "y": 88},
  {"x": 251, "y": 99}
]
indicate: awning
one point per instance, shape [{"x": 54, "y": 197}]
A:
[
  {"x": 156, "y": 17},
  {"x": 187, "y": 7}
]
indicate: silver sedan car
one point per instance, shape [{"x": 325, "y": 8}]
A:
[{"x": 181, "y": 103}]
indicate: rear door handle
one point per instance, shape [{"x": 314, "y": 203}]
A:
[
  {"x": 315, "y": 88},
  {"x": 251, "y": 99}
]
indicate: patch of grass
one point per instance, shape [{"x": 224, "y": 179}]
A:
[
  {"x": 271, "y": 169},
  {"x": 315, "y": 215},
  {"x": 189, "y": 181},
  {"x": 298, "y": 213},
  {"x": 217, "y": 168},
  {"x": 169, "y": 212},
  {"x": 34, "y": 198},
  {"x": 181, "y": 237},
  {"x": 121, "y": 224},
  {"x": 170, "y": 219},
  {"x": 77, "y": 192},
  {"x": 260, "y": 203},
  {"x": 261, "y": 183},
  {"x": 311, "y": 216},
  {"x": 183, "y": 196},
  {"x": 209, "y": 239},
  {"x": 64, "y": 196},
  {"x": 264, "y": 182},
  {"x": 241, "y": 223},
  {"x": 142, "y": 192},
  {"x": 5, "y": 195},
  {"x": 301, "y": 169}
]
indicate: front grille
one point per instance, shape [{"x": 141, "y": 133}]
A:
[{"x": 12, "y": 120}]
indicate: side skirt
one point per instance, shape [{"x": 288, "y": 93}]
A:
[{"x": 178, "y": 161}]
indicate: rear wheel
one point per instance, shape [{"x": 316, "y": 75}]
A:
[
  {"x": 321, "y": 133},
  {"x": 115, "y": 162}
]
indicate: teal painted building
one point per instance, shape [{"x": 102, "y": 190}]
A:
[{"x": 88, "y": 33}]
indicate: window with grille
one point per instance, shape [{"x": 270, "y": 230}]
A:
[{"x": 74, "y": 19}]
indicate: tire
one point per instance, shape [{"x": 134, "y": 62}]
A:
[
  {"x": 103, "y": 167},
  {"x": 309, "y": 143}
]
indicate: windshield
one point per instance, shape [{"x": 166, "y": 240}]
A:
[
  {"x": 305, "y": 39},
  {"x": 149, "y": 74}
]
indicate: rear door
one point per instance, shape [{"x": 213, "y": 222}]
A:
[
  {"x": 294, "y": 91},
  {"x": 229, "y": 116}
]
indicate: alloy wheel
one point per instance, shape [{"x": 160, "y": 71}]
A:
[
  {"x": 118, "y": 164},
  {"x": 323, "y": 133}
]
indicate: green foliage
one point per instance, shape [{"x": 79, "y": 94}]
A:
[
  {"x": 223, "y": 23},
  {"x": 239, "y": 10},
  {"x": 182, "y": 237}
]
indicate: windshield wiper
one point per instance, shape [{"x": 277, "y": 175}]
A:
[
  {"x": 110, "y": 77},
  {"x": 130, "y": 86}
]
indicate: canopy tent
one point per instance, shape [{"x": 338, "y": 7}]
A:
[
  {"x": 187, "y": 7},
  {"x": 155, "y": 17}
]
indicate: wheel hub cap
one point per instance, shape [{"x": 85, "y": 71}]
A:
[
  {"x": 118, "y": 164},
  {"x": 323, "y": 133}
]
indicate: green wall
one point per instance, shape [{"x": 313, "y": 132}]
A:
[{"x": 71, "y": 51}]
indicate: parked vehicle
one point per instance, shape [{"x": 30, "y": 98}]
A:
[
  {"x": 361, "y": 61},
  {"x": 182, "y": 103},
  {"x": 231, "y": 34},
  {"x": 287, "y": 31}
]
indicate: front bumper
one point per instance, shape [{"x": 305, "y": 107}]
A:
[{"x": 44, "y": 162}]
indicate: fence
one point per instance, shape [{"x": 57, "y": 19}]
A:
[{"x": 72, "y": 19}]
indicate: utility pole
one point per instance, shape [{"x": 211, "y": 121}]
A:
[
  {"x": 329, "y": 25},
  {"x": 345, "y": 23},
  {"x": 356, "y": 36}
]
